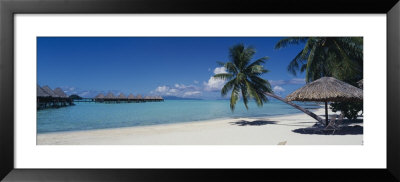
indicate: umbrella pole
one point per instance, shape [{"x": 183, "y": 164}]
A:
[{"x": 326, "y": 113}]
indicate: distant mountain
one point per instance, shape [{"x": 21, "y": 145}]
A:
[{"x": 179, "y": 98}]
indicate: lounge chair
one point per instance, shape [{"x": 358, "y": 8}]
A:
[
  {"x": 335, "y": 124},
  {"x": 331, "y": 121},
  {"x": 339, "y": 122}
]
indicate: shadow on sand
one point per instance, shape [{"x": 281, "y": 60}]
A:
[
  {"x": 313, "y": 130},
  {"x": 264, "y": 122},
  {"x": 252, "y": 123},
  {"x": 344, "y": 130}
]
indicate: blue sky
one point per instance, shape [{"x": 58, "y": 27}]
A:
[{"x": 176, "y": 66}]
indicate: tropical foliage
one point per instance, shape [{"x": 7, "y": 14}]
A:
[
  {"x": 243, "y": 76},
  {"x": 349, "y": 109},
  {"x": 75, "y": 97},
  {"x": 339, "y": 57}
]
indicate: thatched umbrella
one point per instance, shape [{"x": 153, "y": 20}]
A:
[
  {"x": 48, "y": 90},
  {"x": 41, "y": 93},
  {"x": 60, "y": 92},
  {"x": 121, "y": 96},
  {"x": 361, "y": 83},
  {"x": 110, "y": 96},
  {"x": 327, "y": 89}
]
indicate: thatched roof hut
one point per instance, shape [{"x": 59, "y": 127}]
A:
[
  {"x": 60, "y": 92},
  {"x": 48, "y": 90},
  {"x": 110, "y": 96},
  {"x": 139, "y": 96},
  {"x": 41, "y": 93},
  {"x": 121, "y": 96},
  {"x": 131, "y": 96},
  {"x": 327, "y": 89},
  {"x": 100, "y": 96},
  {"x": 147, "y": 97}
]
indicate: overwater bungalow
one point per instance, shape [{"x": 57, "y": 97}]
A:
[
  {"x": 121, "y": 98},
  {"x": 131, "y": 97},
  {"x": 47, "y": 98},
  {"x": 48, "y": 90},
  {"x": 58, "y": 91},
  {"x": 99, "y": 98},
  {"x": 139, "y": 98},
  {"x": 109, "y": 96},
  {"x": 153, "y": 99}
]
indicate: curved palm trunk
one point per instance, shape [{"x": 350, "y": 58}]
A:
[{"x": 319, "y": 119}]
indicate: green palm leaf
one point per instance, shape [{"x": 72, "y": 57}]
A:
[{"x": 243, "y": 77}]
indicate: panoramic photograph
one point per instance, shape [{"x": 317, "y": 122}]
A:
[{"x": 199, "y": 91}]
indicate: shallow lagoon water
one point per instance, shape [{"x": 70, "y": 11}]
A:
[{"x": 89, "y": 115}]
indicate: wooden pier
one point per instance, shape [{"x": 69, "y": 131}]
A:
[
  {"x": 48, "y": 98},
  {"x": 126, "y": 100},
  {"x": 121, "y": 98},
  {"x": 53, "y": 102}
]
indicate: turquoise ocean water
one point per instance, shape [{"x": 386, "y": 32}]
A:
[{"x": 88, "y": 116}]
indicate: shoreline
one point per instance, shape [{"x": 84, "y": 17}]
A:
[
  {"x": 182, "y": 122},
  {"x": 267, "y": 130}
]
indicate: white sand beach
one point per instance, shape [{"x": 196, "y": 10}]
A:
[{"x": 269, "y": 130}]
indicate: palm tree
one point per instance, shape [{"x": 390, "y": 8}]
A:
[
  {"x": 340, "y": 57},
  {"x": 243, "y": 77}
]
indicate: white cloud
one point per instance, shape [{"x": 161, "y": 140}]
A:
[
  {"x": 86, "y": 93},
  {"x": 218, "y": 70},
  {"x": 182, "y": 90},
  {"x": 277, "y": 82},
  {"x": 214, "y": 84},
  {"x": 162, "y": 89},
  {"x": 278, "y": 89},
  {"x": 179, "y": 90},
  {"x": 297, "y": 81},
  {"x": 172, "y": 90},
  {"x": 191, "y": 93}
]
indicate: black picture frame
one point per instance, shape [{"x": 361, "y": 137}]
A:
[{"x": 8, "y": 8}]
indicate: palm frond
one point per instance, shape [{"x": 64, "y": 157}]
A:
[
  {"x": 228, "y": 86},
  {"x": 289, "y": 41},
  {"x": 223, "y": 76},
  {"x": 231, "y": 68},
  {"x": 310, "y": 65},
  {"x": 254, "y": 93},
  {"x": 234, "y": 97}
]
